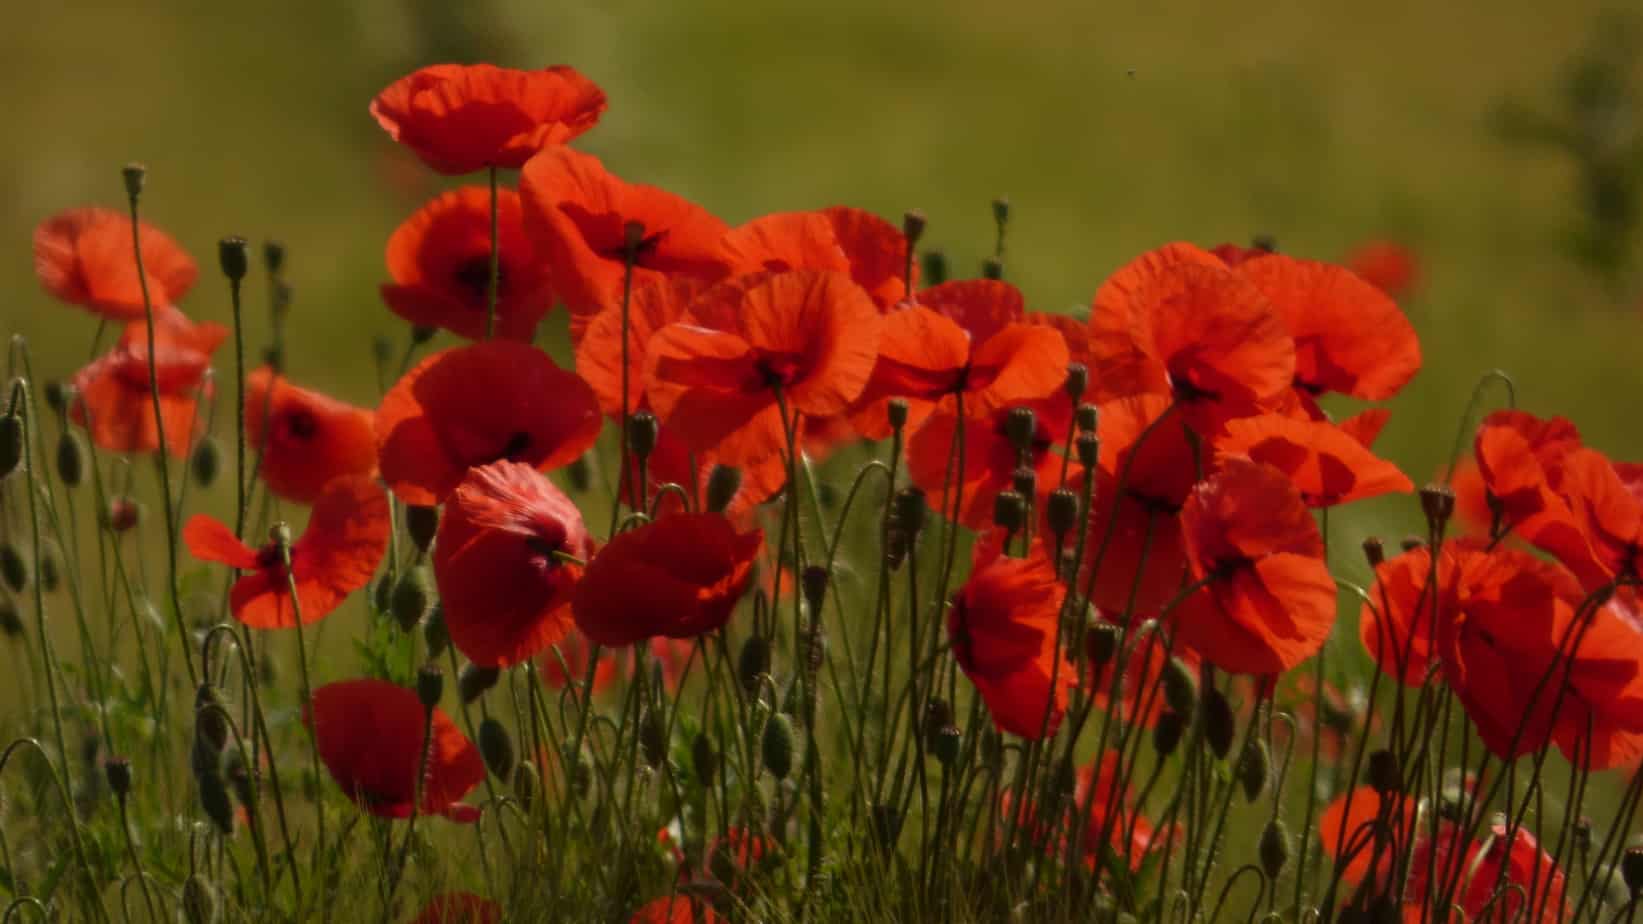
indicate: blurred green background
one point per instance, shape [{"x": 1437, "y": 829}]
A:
[{"x": 1111, "y": 127}]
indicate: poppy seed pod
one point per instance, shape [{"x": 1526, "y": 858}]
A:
[
  {"x": 496, "y": 747},
  {"x": 704, "y": 758},
  {"x": 895, "y": 410},
  {"x": 11, "y": 443},
  {"x": 945, "y": 747},
  {"x": 422, "y": 523},
  {"x": 430, "y": 685},
  {"x": 935, "y": 267},
  {"x": 912, "y": 225},
  {"x": 71, "y": 459},
  {"x": 992, "y": 268},
  {"x": 412, "y": 594},
  {"x": 233, "y": 257},
  {"x": 722, "y": 484},
  {"x": 642, "y": 431},
  {"x": 1438, "y": 503},
  {"x": 909, "y": 508},
  {"x": 199, "y": 901},
  {"x": 1001, "y": 210},
  {"x": 273, "y": 256},
  {"x": 1062, "y": 511},
  {"x": 1101, "y": 641},
  {"x": 776, "y": 746},
  {"x": 206, "y": 462},
  {"x": 938, "y": 714},
  {"x": 1009, "y": 510},
  {"x": 1383, "y": 772},
  {"x": 1087, "y": 447},
  {"x": 474, "y": 681},
  {"x": 526, "y": 784},
  {"x": 753, "y": 662},
  {"x": 1373, "y": 551},
  {"x": 653, "y": 737},
  {"x": 1219, "y": 723},
  {"x": 134, "y": 175},
  {"x": 1180, "y": 687},
  {"x": 1020, "y": 425},
  {"x": 1166, "y": 733},
  {"x": 1274, "y": 849},
  {"x": 1254, "y": 767},
  {"x": 117, "y": 770},
  {"x": 1087, "y": 417},
  {"x": 1078, "y": 379}
]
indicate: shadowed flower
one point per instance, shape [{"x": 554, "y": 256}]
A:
[
  {"x": 306, "y": 439},
  {"x": 469, "y": 406},
  {"x": 1492, "y": 877},
  {"x": 85, "y": 257},
  {"x": 1002, "y": 624},
  {"x": 460, "y": 908},
  {"x": 653, "y": 306},
  {"x": 369, "y": 734},
  {"x": 346, "y": 538},
  {"x": 679, "y": 577},
  {"x": 675, "y": 909},
  {"x": 502, "y": 563},
  {"x": 461, "y": 118},
  {"x": 1328, "y": 465},
  {"x": 440, "y": 263},
  {"x": 784, "y": 241}
]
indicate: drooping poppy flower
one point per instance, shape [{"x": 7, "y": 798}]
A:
[
  {"x": 472, "y": 405},
  {"x": 990, "y": 458},
  {"x": 966, "y": 340},
  {"x": 86, "y": 257},
  {"x": 1350, "y": 337},
  {"x": 877, "y": 251},
  {"x": 675, "y": 909},
  {"x": 577, "y": 216},
  {"x": 440, "y": 262},
  {"x": 306, "y": 439},
  {"x": 1386, "y": 265},
  {"x": 1002, "y": 624},
  {"x": 347, "y": 536},
  {"x": 807, "y": 339},
  {"x": 1354, "y": 823},
  {"x": 460, "y": 908},
  {"x": 1326, "y": 464},
  {"x": 502, "y": 563},
  {"x": 1268, "y": 601},
  {"x": 1176, "y": 321},
  {"x": 114, "y": 401},
  {"x": 1112, "y": 811},
  {"x": 1522, "y": 460},
  {"x": 1493, "y": 875},
  {"x": 462, "y": 118},
  {"x": 679, "y": 576},
  {"x": 369, "y": 734}
]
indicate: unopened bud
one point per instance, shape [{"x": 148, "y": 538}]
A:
[
  {"x": 992, "y": 268},
  {"x": 1009, "y": 510},
  {"x": 430, "y": 685},
  {"x": 946, "y": 744},
  {"x": 135, "y": 175},
  {"x": 473, "y": 681},
  {"x": 11, "y": 443},
  {"x": 71, "y": 459},
  {"x": 14, "y": 569},
  {"x": 496, "y": 747},
  {"x": 123, "y": 514},
  {"x": 813, "y": 582},
  {"x": 412, "y": 594},
  {"x": 11, "y": 620},
  {"x": 1254, "y": 767},
  {"x": 1219, "y": 723},
  {"x": 753, "y": 662},
  {"x": 1631, "y": 869},
  {"x": 1078, "y": 379},
  {"x": 935, "y": 267},
  {"x": 215, "y": 801},
  {"x": 273, "y": 256},
  {"x": 232, "y": 256},
  {"x": 1166, "y": 733},
  {"x": 1180, "y": 687},
  {"x": 776, "y": 747},
  {"x": 421, "y": 334},
  {"x": 382, "y": 349},
  {"x": 886, "y": 826},
  {"x": 206, "y": 462},
  {"x": 117, "y": 770},
  {"x": 199, "y": 900},
  {"x": 1101, "y": 641},
  {"x": 56, "y": 395},
  {"x": 1274, "y": 849},
  {"x": 642, "y": 431},
  {"x": 722, "y": 484},
  {"x": 526, "y": 783},
  {"x": 434, "y": 633},
  {"x": 579, "y": 474},
  {"x": 909, "y": 507},
  {"x": 210, "y": 725},
  {"x": 51, "y": 569},
  {"x": 653, "y": 737},
  {"x": 912, "y": 226},
  {"x": 422, "y": 523}
]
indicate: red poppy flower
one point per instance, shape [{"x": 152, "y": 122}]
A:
[
  {"x": 369, "y": 734},
  {"x": 653, "y": 306},
  {"x": 809, "y": 337},
  {"x": 306, "y": 438},
  {"x": 472, "y": 405},
  {"x": 174, "y": 330},
  {"x": 1112, "y": 810},
  {"x": 499, "y": 563},
  {"x": 674, "y": 462},
  {"x": 966, "y": 338},
  {"x": 1366, "y": 425},
  {"x": 460, "y": 908},
  {"x": 566, "y": 664},
  {"x": 1003, "y": 625},
  {"x": 577, "y": 216},
  {"x": 440, "y": 262},
  {"x": 1514, "y": 869},
  {"x": 1522, "y": 460},
  {"x": 336, "y": 555},
  {"x": 877, "y": 251},
  {"x": 679, "y": 576},
  {"x": 784, "y": 241},
  {"x": 1347, "y": 831},
  {"x": 1326, "y": 464},
  {"x": 1177, "y": 321},
  {"x": 675, "y": 909},
  {"x": 1269, "y": 602},
  {"x": 461, "y": 118},
  {"x": 1349, "y": 336},
  {"x": 115, "y": 405},
  {"x": 84, "y": 257},
  {"x": 1386, "y": 265}
]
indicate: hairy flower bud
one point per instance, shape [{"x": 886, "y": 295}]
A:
[
  {"x": 117, "y": 770},
  {"x": 206, "y": 462},
  {"x": 473, "y": 681},
  {"x": 753, "y": 662},
  {"x": 1219, "y": 722},
  {"x": 71, "y": 459},
  {"x": 1180, "y": 687},
  {"x": 1166, "y": 733},
  {"x": 496, "y": 747},
  {"x": 704, "y": 759},
  {"x": 11, "y": 443},
  {"x": 422, "y": 523},
  {"x": 776, "y": 747},
  {"x": 1254, "y": 767},
  {"x": 935, "y": 267},
  {"x": 653, "y": 737},
  {"x": 1274, "y": 848},
  {"x": 430, "y": 685},
  {"x": 411, "y": 595}
]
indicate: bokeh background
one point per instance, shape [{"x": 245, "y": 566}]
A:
[{"x": 1483, "y": 135}]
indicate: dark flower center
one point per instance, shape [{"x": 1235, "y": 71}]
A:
[
  {"x": 300, "y": 426},
  {"x": 474, "y": 276}
]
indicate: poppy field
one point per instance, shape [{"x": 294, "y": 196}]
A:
[{"x": 683, "y": 570}]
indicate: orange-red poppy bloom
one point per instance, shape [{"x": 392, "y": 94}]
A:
[
  {"x": 1353, "y": 824},
  {"x": 460, "y": 908},
  {"x": 115, "y": 405},
  {"x": 679, "y": 577},
  {"x": 1350, "y": 337},
  {"x": 461, "y": 118},
  {"x": 336, "y": 555},
  {"x": 440, "y": 264},
  {"x": 783, "y": 241},
  {"x": 990, "y": 458},
  {"x": 577, "y": 216},
  {"x": 1493, "y": 876},
  {"x": 369, "y": 734},
  {"x": 804, "y": 338},
  {"x": 968, "y": 338},
  {"x": 877, "y": 251},
  {"x": 472, "y": 405},
  {"x": 653, "y": 306},
  {"x": 1523, "y": 463},
  {"x": 305, "y": 438},
  {"x": 1268, "y": 601},
  {"x": 1003, "y": 624},
  {"x": 1386, "y": 265},
  {"x": 505, "y": 560},
  {"x": 1327, "y": 465},
  {"x": 675, "y": 909},
  {"x": 85, "y": 257}
]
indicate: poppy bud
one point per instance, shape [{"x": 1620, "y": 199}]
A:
[
  {"x": 422, "y": 523},
  {"x": 1062, "y": 511},
  {"x": 909, "y": 508},
  {"x": 268, "y": 669},
  {"x": 14, "y": 569},
  {"x": 496, "y": 746},
  {"x": 1411, "y": 543},
  {"x": 1219, "y": 723},
  {"x": 411, "y": 597},
  {"x": 642, "y": 429},
  {"x": 526, "y": 783},
  {"x": 1025, "y": 481},
  {"x": 273, "y": 256},
  {"x": 1101, "y": 640},
  {"x": 232, "y": 256},
  {"x": 579, "y": 474},
  {"x": 704, "y": 758},
  {"x": 434, "y": 633},
  {"x": 134, "y": 175},
  {"x": 273, "y": 357},
  {"x": 1087, "y": 446},
  {"x": 199, "y": 900},
  {"x": 51, "y": 575},
  {"x": 938, "y": 714},
  {"x": 1373, "y": 551},
  {"x": 813, "y": 581},
  {"x": 210, "y": 725},
  {"x": 56, "y": 394},
  {"x": 753, "y": 662},
  {"x": 122, "y": 514},
  {"x": 912, "y": 226},
  {"x": 992, "y": 268},
  {"x": 382, "y": 348},
  {"x": 11, "y": 621},
  {"x": 653, "y": 737},
  {"x": 776, "y": 747},
  {"x": 946, "y": 744},
  {"x": 1166, "y": 733},
  {"x": 11, "y": 443},
  {"x": 1078, "y": 379},
  {"x": 117, "y": 770},
  {"x": 239, "y": 780},
  {"x": 1180, "y": 687},
  {"x": 1438, "y": 503},
  {"x": 215, "y": 801},
  {"x": 71, "y": 459},
  {"x": 206, "y": 462},
  {"x": 580, "y": 772},
  {"x": 1009, "y": 510},
  {"x": 935, "y": 267},
  {"x": 1631, "y": 869},
  {"x": 430, "y": 685},
  {"x": 895, "y": 410},
  {"x": 1020, "y": 425},
  {"x": 1254, "y": 767},
  {"x": 382, "y": 594},
  {"x": 722, "y": 484},
  {"x": 1001, "y": 210},
  {"x": 1383, "y": 773},
  {"x": 1274, "y": 849},
  {"x": 473, "y": 681}
]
